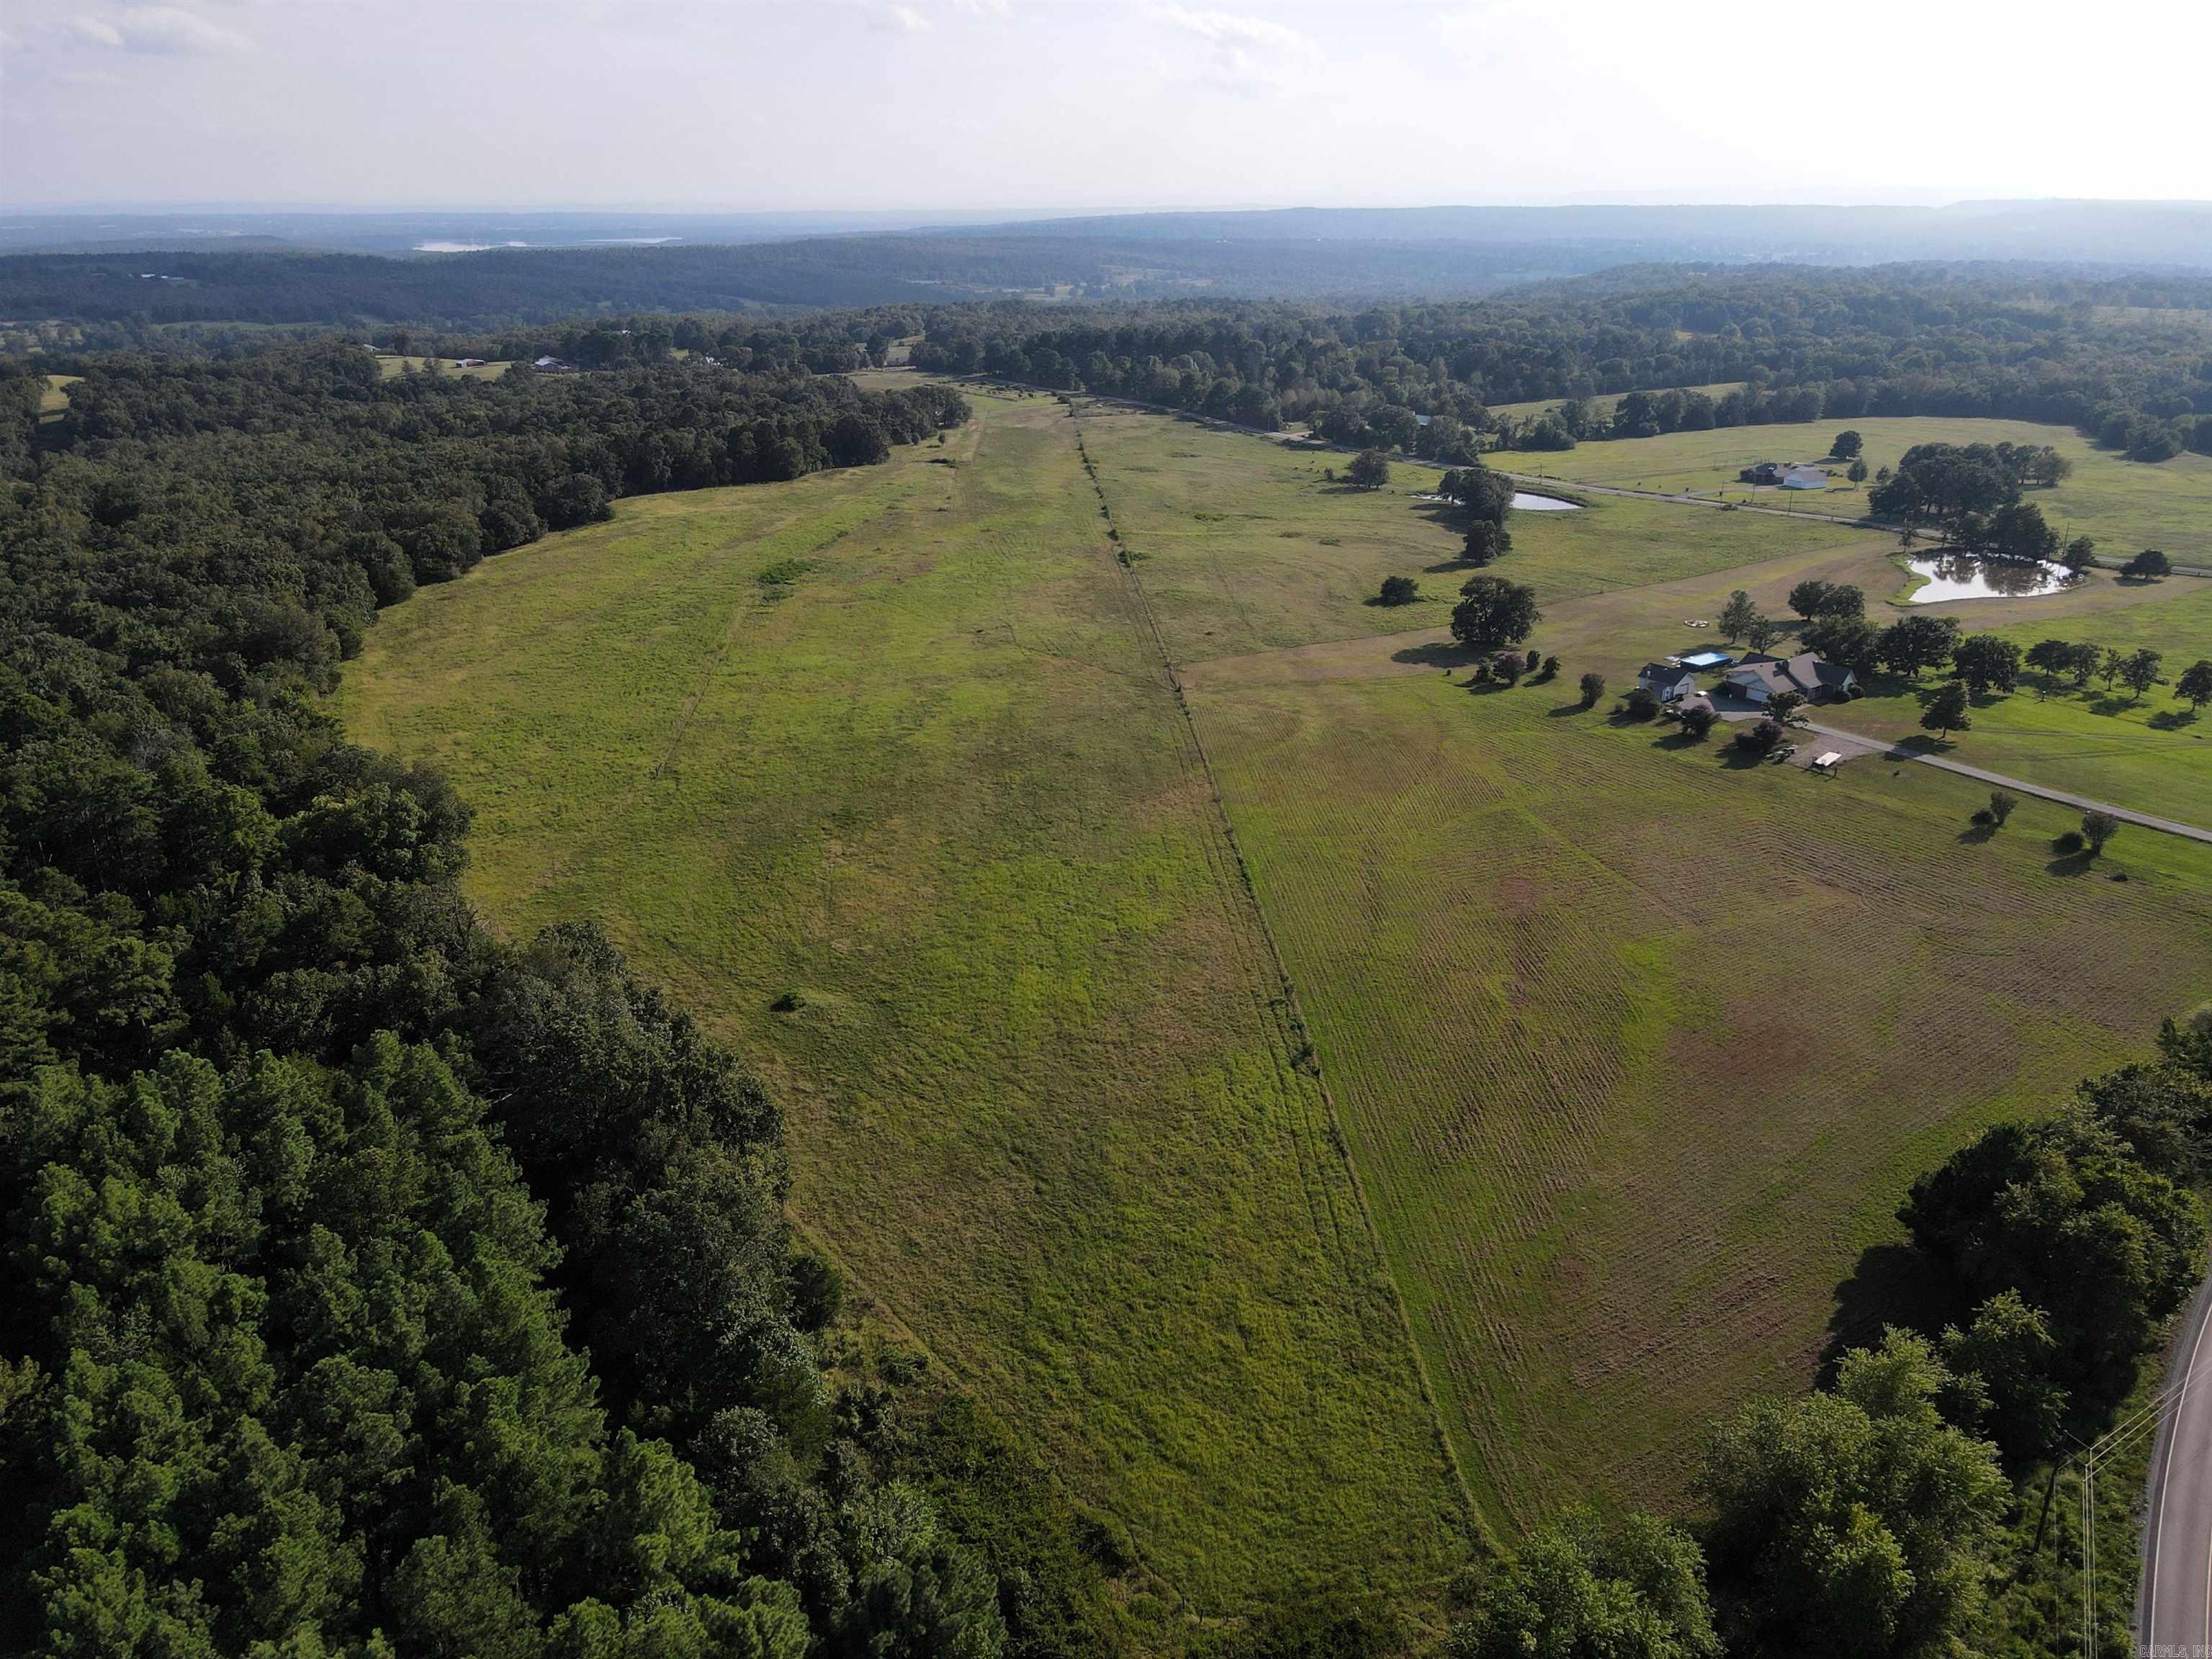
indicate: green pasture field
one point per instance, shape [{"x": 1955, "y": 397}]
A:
[
  {"x": 2125, "y": 505},
  {"x": 1605, "y": 402},
  {"x": 878, "y": 771},
  {"x": 1242, "y": 545},
  {"x": 53, "y": 396},
  {"x": 1637, "y": 1048},
  {"x": 391, "y": 367}
]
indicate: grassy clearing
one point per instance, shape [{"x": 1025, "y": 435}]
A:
[
  {"x": 890, "y": 748},
  {"x": 2124, "y": 504},
  {"x": 1243, "y": 545},
  {"x": 391, "y": 367},
  {"x": 53, "y": 396},
  {"x": 1639, "y": 1051},
  {"x": 1604, "y": 404}
]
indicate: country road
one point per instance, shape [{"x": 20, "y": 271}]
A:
[
  {"x": 2173, "y": 1609},
  {"x": 1859, "y": 743}
]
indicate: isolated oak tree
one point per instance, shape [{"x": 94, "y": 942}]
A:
[
  {"x": 2195, "y": 685},
  {"x": 1370, "y": 468},
  {"x": 1737, "y": 615},
  {"x": 1593, "y": 686},
  {"x": 1486, "y": 541},
  {"x": 2140, "y": 671},
  {"x": 1946, "y": 711},
  {"x": 2097, "y": 829},
  {"x": 1494, "y": 612}
]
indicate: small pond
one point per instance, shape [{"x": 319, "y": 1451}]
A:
[
  {"x": 1963, "y": 576},
  {"x": 1528, "y": 503}
]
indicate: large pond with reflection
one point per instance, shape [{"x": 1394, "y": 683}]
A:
[{"x": 1964, "y": 576}]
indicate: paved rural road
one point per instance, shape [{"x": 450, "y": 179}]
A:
[
  {"x": 2173, "y": 1610},
  {"x": 1860, "y": 743}
]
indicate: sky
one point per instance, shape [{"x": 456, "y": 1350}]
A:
[{"x": 1090, "y": 104}]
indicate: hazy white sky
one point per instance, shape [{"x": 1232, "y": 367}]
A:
[{"x": 1082, "y": 103}]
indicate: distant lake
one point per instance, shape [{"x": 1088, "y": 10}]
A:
[
  {"x": 1528, "y": 503},
  {"x": 1963, "y": 576}
]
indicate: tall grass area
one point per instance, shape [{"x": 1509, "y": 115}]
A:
[
  {"x": 2125, "y": 505},
  {"x": 877, "y": 770},
  {"x": 1639, "y": 1050}
]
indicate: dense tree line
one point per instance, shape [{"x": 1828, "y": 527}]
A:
[
  {"x": 500, "y": 287},
  {"x": 1804, "y": 343},
  {"x": 367, "y": 1285}
]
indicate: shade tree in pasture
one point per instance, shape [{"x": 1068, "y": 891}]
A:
[
  {"x": 1494, "y": 612},
  {"x": 2140, "y": 671},
  {"x": 2194, "y": 685},
  {"x": 1948, "y": 710}
]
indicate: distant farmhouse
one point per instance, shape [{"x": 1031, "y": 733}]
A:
[
  {"x": 1759, "y": 676},
  {"x": 1666, "y": 680},
  {"x": 1785, "y": 475},
  {"x": 553, "y": 366}
]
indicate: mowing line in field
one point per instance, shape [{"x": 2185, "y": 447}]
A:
[{"x": 1298, "y": 1028}]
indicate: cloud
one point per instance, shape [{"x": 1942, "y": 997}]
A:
[
  {"x": 1231, "y": 51},
  {"x": 898, "y": 20},
  {"x": 1233, "y": 33},
  {"x": 159, "y": 31}
]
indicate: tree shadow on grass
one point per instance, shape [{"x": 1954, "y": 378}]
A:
[
  {"x": 1890, "y": 1285},
  {"x": 1975, "y": 835},
  {"x": 1439, "y": 654},
  {"x": 2071, "y": 864},
  {"x": 2173, "y": 720},
  {"x": 1561, "y": 711}
]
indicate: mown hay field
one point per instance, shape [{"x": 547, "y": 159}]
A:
[
  {"x": 892, "y": 748},
  {"x": 1637, "y": 1050},
  {"x": 2124, "y": 505}
]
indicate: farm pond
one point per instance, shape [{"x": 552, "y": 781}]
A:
[
  {"x": 1526, "y": 503},
  {"x": 1963, "y": 576}
]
